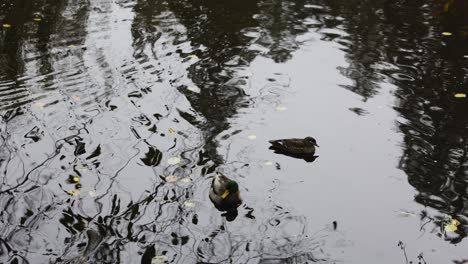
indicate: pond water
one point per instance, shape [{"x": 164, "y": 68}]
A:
[{"x": 116, "y": 115}]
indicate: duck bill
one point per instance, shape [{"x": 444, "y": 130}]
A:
[
  {"x": 316, "y": 145},
  {"x": 225, "y": 194}
]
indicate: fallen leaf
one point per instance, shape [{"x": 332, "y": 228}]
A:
[
  {"x": 75, "y": 97},
  {"x": 171, "y": 178},
  {"x": 447, "y": 34},
  {"x": 6, "y": 25},
  {"x": 173, "y": 161},
  {"x": 268, "y": 163},
  {"x": 460, "y": 95},
  {"x": 281, "y": 108},
  {"x": 74, "y": 192},
  {"x": 171, "y": 130},
  {"x": 452, "y": 226},
  {"x": 37, "y": 19},
  {"x": 75, "y": 179},
  {"x": 92, "y": 193},
  {"x": 186, "y": 179},
  {"x": 194, "y": 89},
  {"x": 192, "y": 56},
  {"x": 158, "y": 259},
  {"x": 71, "y": 46},
  {"x": 189, "y": 204},
  {"x": 252, "y": 137},
  {"x": 40, "y": 104}
]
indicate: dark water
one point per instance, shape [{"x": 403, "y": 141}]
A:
[{"x": 98, "y": 97}]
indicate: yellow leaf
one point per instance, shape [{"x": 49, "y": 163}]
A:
[
  {"x": 189, "y": 204},
  {"x": 252, "y": 137},
  {"x": 455, "y": 222},
  {"x": 75, "y": 97},
  {"x": 281, "y": 108},
  {"x": 192, "y": 56},
  {"x": 450, "y": 228},
  {"x": 37, "y": 19},
  {"x": 6, "y": 25},
  {"x": 171, "y": 178},
  {"x": 268, "y": 163},
  {"x": 171, "y": 130},
  {"x": 186, "y": 179},
  {"x": 460, "y": 95},
  {"x": 158, "y": 259},
  {"x": 92, "y": 193},
  {"x": 447, "y": 34},
  {"x": 75, "y": 179},
  {"x": 71, "y": 46},
  {"x": 74, "y": 192},
  {"x": 173, "y": 160},
  {"x": 40, "y": 104}
]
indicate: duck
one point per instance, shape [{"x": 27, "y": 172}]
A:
[
  {"x": 224, "y": 193},
  {"x": 303, "y": 148}
]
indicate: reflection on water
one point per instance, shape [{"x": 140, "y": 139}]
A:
[{"x": 115, "y": 116}]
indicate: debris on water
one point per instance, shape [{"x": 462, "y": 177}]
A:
[
  {"x": 192, "y": 56},
  {"x": 75, "y": 97},
  {"x": 6, "y": 26},
  {"x": 37, "y": 19},
  {"x": 71, "y": 46},
  {"x": 268, "y": 163},
  {"x": 194, "y": 89},
  {"x": 252, "y": 137},
  {"x": 460, "y": 95},
  {"x": 158, "y": 259},
  {"x": 74, "y": 192},
  {"x": 171, "y": 178},
  {"x": 171, "y": 130},
  {"x": 186, "y": 180},
  {"x": 452, "y": 225},
  {"x": 173, "y": 160},
  {"x": 189, "y": 204},
  {"x": 447, "y": 33},
  {"x": 75, "y": 179},
  {"x": 92, "y": 193},
  {"x": 280, "y": 108}
]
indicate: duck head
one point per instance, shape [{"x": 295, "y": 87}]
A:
[
  {"x": 231, "y": 187},
  {"x": 311, "y": 140}
]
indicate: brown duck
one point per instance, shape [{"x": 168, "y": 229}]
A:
[{"x": 302, "y": 148}]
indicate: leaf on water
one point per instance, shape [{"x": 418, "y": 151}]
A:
[
  {"x": 192, "y": 56},
  {"x": 158, "y": 259},
  {"x": 194, "y": 89},
  {"x": 173, "y": 161},
  {"x": 75, "y": 179},
  {"x": 92, "y": 193},
  {"x": 268, "y": 163},
  {"x": 71, "y": 46},
  {"x": 447, "y": 33},
  {"x": 75, "y": 97},
  {"x": 460, "y": 95},
  {"x": 152, "y": 157},
  {"x": 452, "y": 226},
  {"x": 186, "y": 180},
  {"x": 281, "y": 108},
  {"x": 37, "y": 19},
  {"x": 40, "y": 104},
  {"x": 6, "y": 25},
  {"x": 171, "y": 130},
  {"x": 252, "y": 137},
  {"x": 189, "y": 204},
  {"x": 171, "y": 178},
  {"x": 74, "y": 192}
]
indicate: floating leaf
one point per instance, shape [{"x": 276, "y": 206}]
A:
[
  {"x": 189, "y": 204},
  {"x": 171, "y": 130},
  {"x": 460, "y": 95},
  {"x": 152, "y": 157},
  {"x": 40, "y": 104},
  {"x": 252, "y": 137},
  {"x": 192, "y": 56},
  {"x": 37, "y": 19},
  {"x": 171, "y": 178},
  {"x": 74, "y": 192},
  {"x": 194, "y": 89},
  {"x": 281, "y": 108},
  {"x": 447, "y": 34},
  {"x": 186, "y": 180},
  {"x": 158, "y": 259},
  {"x": 92, "y": 193},
  {"x": 173, "y": 160},
  {"x": 75, "y": 179},
  {"x": 75, "y": 97},
  {"x": 6, "y": 25},
  {"x": 452, "y": 226},
  {"x": 71, "y": 46},
  {"x": 269, "y": 163}
]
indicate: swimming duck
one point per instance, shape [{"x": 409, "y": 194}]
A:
[
  {"x": 224, "y": 193},
  {"x": 303, "y": 148}
]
